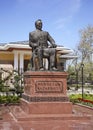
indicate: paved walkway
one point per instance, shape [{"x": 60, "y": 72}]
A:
[{"x": 9, "y": 122}]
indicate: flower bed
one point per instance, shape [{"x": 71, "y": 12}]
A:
[
  {"x": 87, "y": 99},
  {"x": 86, "y": 102}
]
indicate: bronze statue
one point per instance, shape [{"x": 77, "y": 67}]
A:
[{"x": 39, "y": 41}]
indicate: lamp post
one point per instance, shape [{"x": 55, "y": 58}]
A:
[
  {"x": 1, "y": 71},
  {"x": 82, "y": 65},
  {"x": 76, "y": 88}
]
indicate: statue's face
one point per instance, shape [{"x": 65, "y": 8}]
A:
[{"x": 39, "y": 25}]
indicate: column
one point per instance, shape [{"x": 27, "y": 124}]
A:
[
  {"x": 65, "y": 65},
  {"x": 21, "y": 61},
  {"x": 15, "y": 60}
]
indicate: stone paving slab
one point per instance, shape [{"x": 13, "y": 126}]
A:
[
  {"x": 8, "y": 122},
  {"x": 20, "y": 115}
]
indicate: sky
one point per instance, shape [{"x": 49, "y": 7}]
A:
[{"x": 63, "y": 19}]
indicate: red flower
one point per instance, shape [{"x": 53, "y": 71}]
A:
[{"x": 85, "y": 100}]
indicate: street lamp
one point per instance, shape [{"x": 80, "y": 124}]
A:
[
  {"x": 77, "y": 79},
  {"x": 1, "y": 71},
  {"x": 82, "y": 65}
]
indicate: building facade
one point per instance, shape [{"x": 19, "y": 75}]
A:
[{"x": 18, "y": 54}]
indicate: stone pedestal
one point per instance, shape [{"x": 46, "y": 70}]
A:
[
  {"x": 45, "y": 93},
  {"x": 45, "y": 105}
]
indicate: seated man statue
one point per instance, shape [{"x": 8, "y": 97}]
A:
[{"x": 39, "y": 41}]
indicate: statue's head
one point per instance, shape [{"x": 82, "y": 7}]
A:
[{"x": 38, "y": 24}]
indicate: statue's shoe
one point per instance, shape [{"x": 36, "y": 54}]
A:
[
  {"x": 53, "y": 69},
  {"x": 33, "y": 69},
  {"x": 41, "y": 69}
]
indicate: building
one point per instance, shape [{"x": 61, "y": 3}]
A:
[{"x": 18, "y": 54}]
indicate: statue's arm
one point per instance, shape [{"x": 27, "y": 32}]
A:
[
  {"x": 32, "y": 42},
  {"x": 51, "y": 40}
]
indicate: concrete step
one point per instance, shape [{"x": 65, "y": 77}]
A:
[{"x": 20, "y": 115}]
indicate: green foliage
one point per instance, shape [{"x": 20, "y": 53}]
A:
[
  {"x": 74, "y": 98},
  {"x": 4, "y": 88},
  {"x": 76, "y": 76},
  {"x": 88, "y": 97},
  {"x": 18, "y": 83},
  {"x": 9, "y": 99},
  {"x": 18, "y": 88},
  {"x": 1, "y": 85}
]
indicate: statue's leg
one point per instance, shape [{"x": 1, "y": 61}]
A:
[
  {"x": 40, "y": 57},
  {"x": 52, "y": 59},
  {"x": 33, "y": 61},
  {"x": 33, "y": 68},
  {"x": 50, "y": 53},
  {"x": 48, "y": 63},
  {"x": 47, "y": 55}
]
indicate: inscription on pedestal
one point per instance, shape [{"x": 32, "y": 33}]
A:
[{"x": 49, "y": 86}]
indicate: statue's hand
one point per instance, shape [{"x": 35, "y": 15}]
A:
[
  {"x": 54, "y": 45},
  {"x": 35, "y": 45}
]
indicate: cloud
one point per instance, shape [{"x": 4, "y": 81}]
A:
[
  {"x": 71, "y": 8},
  {"x": 61, "y": 22},
  {"x": 76, "y": 4}
]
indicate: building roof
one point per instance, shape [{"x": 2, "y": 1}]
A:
[
  {"x": 24, "y": 45},
  {"x": 68, "y": 56},
  {"x": 14, "y": 45},
  {"x": 18, "y": 42}
]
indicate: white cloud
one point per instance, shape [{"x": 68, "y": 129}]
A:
[
  {"x": 61, "y": 22},
  {"x": 74, "y": 6}
]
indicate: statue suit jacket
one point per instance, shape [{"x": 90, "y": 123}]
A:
[{"x": 40, "y": 38}]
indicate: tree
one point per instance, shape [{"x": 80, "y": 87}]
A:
[
  {"x": 18, "y": 82},
  {"x": 84, "y": 52},
  {"x": 85, "y": 46},
  {"x": 71, "y": 74},
  {"x": 3, "y": 85}
]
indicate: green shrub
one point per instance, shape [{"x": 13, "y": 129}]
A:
[
  {"x": 9, "y": 99},
  {"x": 74, "y": 98}
]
